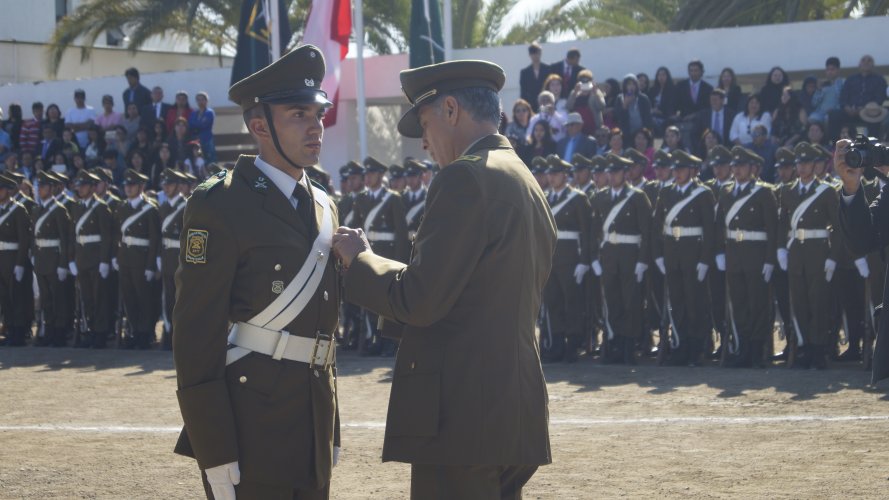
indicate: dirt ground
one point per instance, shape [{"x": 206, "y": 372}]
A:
[{"x": 102, "y": 424}]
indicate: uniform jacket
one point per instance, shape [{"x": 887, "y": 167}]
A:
[
  {"x": 389, "y": 219},
  {"x": 575, "y": 216},
  {"x": 99, "y": 222},
  {"x": 468, "y": 387},
  {"x": 241, "y": 240},
  {"x": 16, "y": 228},
  {"x": 56, "y": 226},
  {"x": 759, "y": 213},
  {"x": 633, "y": 219},
  {"x": 822, "y": 214},
  {"x": 147, "y": 226},
  {"x": 685, "y": 252},
  {"x": 170, "y": 256}
]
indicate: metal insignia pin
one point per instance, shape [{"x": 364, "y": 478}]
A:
[
  {"x": 277, "y": 287},
  {"x": 320, "y": 255},
  {"x": 309, "y": 82},
  {"x": 260, "y": 183}
]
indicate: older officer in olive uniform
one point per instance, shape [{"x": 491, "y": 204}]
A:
[
  {"x": 15, "y": 241},
  {"x": 414, "y": 196},
  {"x": 683, "y": 248},
  {"x": 93, "y": 243},
  {"x": 468, "y": 407},
  {"x": 563, "y": 296},
  {"x": 261, "y": 417},
  {"x": 170, "y": 214},
  {"x": 50, "y": 249},
  {"x": 622, "y": 222},
  {"x": 808, "y": 249}
]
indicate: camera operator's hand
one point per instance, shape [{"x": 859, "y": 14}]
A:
[{"x": 851, "y": 177}]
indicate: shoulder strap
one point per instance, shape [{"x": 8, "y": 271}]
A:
[
  {"x": 558, "y": 208},
  {"x": 668, "y": 220},
  {"x": 133, "y": 218},
  {"x": 738, "y": 205},
  {"x": 83, "y": 218},
  {"x": 170, "y": 218},
  {"x": 12, "y": 208},
  {"x": 616, "y": 210},
  {"x": 43, "y": 218},
  {"x": 801, "y": 209},
  {"x": 414, "y": 211},
  {"x": 349, "y": 217},
  {"x": 372, "y": 215}
]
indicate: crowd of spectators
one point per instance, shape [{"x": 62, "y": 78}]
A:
[
  {"x": 562, "y": 109},
  {"x": 141, "y": 132}
]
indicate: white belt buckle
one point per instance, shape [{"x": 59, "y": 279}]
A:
[
  {"x": 278, "y": 355},
  {"x": 801, "y": 235},
  {"x": 612, "y": 238},
  {"x": 739, "y": 236},
  {"x": 318, "y": 338},
  {"x": 677, "y": 232}
]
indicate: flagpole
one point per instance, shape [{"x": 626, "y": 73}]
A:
[
  {"x": 358, "y": 15},
  {"x": 448, "y": 38},
  {"x": 274, "y": 25}
]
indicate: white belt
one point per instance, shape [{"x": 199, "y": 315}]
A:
[
  {"x": 47, "y": 243},
  {"x": 5, "y": 245},
  {"x": 316, "y": 352},
  {"x": 568, "y": 235},
  {"x": 683, "y": 232},
  {"x": 171, "y": 243},
  {"x": 739, "y": 235},
  {"x": 810, "y": 234},
  {"x": 91, "y": 238},
  {"x": 135, "y": 242},
  {"x": 623, "y": 239},
  {"x": 380, "y": 236}
]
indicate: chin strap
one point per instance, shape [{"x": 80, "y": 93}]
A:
[{"x": 268, "y": 118}]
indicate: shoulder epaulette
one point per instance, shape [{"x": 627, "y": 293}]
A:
[
  {"x": 211, "y": 182},
  {"x": 469, "y": 158}
]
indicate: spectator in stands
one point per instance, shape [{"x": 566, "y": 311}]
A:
[
  {"x": 567, "y": 69},
  {"x": 179, "y": 140},
  {"x": 32, "y": 129},
  {"x": 111, "y": 161},
  {"x": 69, "y": 141},
  {"x": 50, "y": 145},
  {"x": 96, "y": 146},
  {"x": 643, "y": 141},
  {"x": 117, "y": 140},
  {"x": 132, "y": 123},
  {"x": 612, "y": 91},
  {"x": 59, "y": 164},
  {"x": 728, "y": 82},
  {"x": 616, "y": 142},
  {"x": 26, "y": 166},
  {"x": 673, "y": 140},
  {"x": 662, "y": 95},
  {"x": 160, "y": 134},
  {"x": 54, "y": 119},
  {"x": 180, "y": 109},
  {"x": 587, "y": 99},
  {"x": 770, "y": 94},
  {"x": 137, "y": 162},
  {"x": 13, "y": 125},
  {"x": 817, "y": 134},
  {"x": 575, "y": 141},
  {"x": 859, "y": 90},
  {"x": 517, "y": 129},
  {"x": 765, "y": 148},
  {"x": 553, "y": 83},
  {"x": 143, "y": 145},
  {"x": 194, "y": 162},
  {"x": 693, "y": 94},
  {"x": 162, "y": 160},
  {"x": 39, "y": 166},
  {"x": 549, "y": 114},
  {"x": 80, "y": 117},
  {"x": 78, "y": 163},
  {"x": 745, "y": 121},
  {"x": 717, "y": 117},
  {"x": 850, "y": 132},
  {"x": 201, "y": 124},
  {"x": 5, "y": 144},
  {"x": 633, "y": 109},
  {"x": 531, "y": 78},
  {"x": 709, "y": 140},
  {"x": 157, "y": 109},
  {"x": 787, "y": 127},
  {"x": 135, "y": 92},
  {"x": 603, "y": 138},
  {"x": 644, "y": 82},
  {"x": 108, "y": 119},
  {"x": 10, "y": 163},
  {"x": 541, "y": 143},
  {"x": 827, "y": 97},
  {"x": 806, "y": 95}
]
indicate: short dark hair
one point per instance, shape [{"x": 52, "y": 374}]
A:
[
  {"x": 573, "y": 53},
  {"x": 832, "y": 61},
  {"x": 80, "y": 92},
  {"x": 254, "y": 112},
  {"x": 132, "y": 72},
  {"x": 696, "y": 62},
  {"x": 37, "y": 105},
  {"x": 718, "y": 91},
  {"x": 534, "y": 48}
]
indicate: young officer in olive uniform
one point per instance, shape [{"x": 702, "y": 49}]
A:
[
  {"x": 808, "y": 249},
  {"x": 747, "y": 235},
  {"x": 170, "y": 214},
  {"x": 261, "y": 417},
  {"x": 875, "y": 281},
  {"x": 563, "y": 296},
  {"x": 581, "y": 173},
  {"x": 683, "y": 245},
  {"x": 350, "y": 314},
  {"x": 718, "y": 159},
  {"x": 622, "y": 222},
  {"x": 93, "y": 242},
  {"x": 396, "y": 178},
  {"x": 50, "y": 249},
  {"x": 538, "y": 170},
  {"x": 15, "y": 242},
  {"x": 582, "y": 178},
  {"x": 25, "y": 287},
  {"x": 138, "y": 238},
  {"x": 785, "y": 161},
  {"x": 414, "y": 196},
  {"x": 635, "y": 173}
]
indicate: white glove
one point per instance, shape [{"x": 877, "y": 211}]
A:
[
  {"x": 767, "y": 270},
  {"x": 19, "y": 272},
  {"x": 597, "y": 268},
  {"x": 62, "y": 273},
  {"x": 72, "y": 266},
  {"x": 863, "y": 268},
  {"x": 222, "y": 480},
  {"x": 640, "y": 271},
  {"x": 660, "y": 265},
  {"x": 149, "y": 275},
  {"x": 114, "y": 264},
  {"x": 579, "y": 271},
  {"x": 159, "y": 265},
  {"x": 104, "y": 269},
  {"x": 702, "y": 271},
  {"x": 830, "y": 266},
  {"x": 782, "y": 258},
  {"x": 720, "y": 262},
  {"x": 336, "y": 455}
]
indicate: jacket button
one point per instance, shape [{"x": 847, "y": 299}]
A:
[
  {"x": 243, "y": 379},
  {"x": 413, "y": 364},
  {"x": 277, "y": 267},
  {"x": 326, "y": 297}
]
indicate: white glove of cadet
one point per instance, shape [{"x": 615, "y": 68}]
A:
[
  {"x": 159, "y": 269},
  {"x": 19, "y": 272},
  {"x": 767, "y": 270},
  {"x": 660, "y": 265},
  {"x": 782, "y": 258},
  {"x": 72, "y": 266},
  {"x": 62, "y": 273},
  {"x": 597, "y": 268},
  {"x": 579, "y": 271},
  {"x": 702, "y": 270},
  {"x": 720, "y": 262},
  {"x": 640, "y": 271},
  {"x": 149, "y": 275},
  {"x": 104, "y": 269},
  {"x": 114, "y": 264},
  {"x": 336, "y": 455},
  {"x": 830, "y": 266},
  {"x": 863, "y": 268},
  {"x": 222, "y": 480}
]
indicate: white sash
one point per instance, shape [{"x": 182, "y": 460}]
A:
[
  {"x": 614, "y": 211},
  {"x": 738, "y": 205},
  {"x": 558, "y": 208},
  {"x": 43, "y": 217},
  {"x": 82, "y": 220},
  {"x": 15, "y": 205},
  {"x": 169, "y": 219},
  {"x": 801, "y": 209},
  {"x": 372, "y": 215},
  {"x": 133, "y": 218},
  {"x": 414, "y": 211},
  {"x": 349, "y": 217},
  {"x": 668, "y": 221}
]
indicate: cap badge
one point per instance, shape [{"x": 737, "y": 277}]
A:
[{"x": 310, "y": 82}]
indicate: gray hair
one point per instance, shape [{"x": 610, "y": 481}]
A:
[{"x": 483, "y": 104}]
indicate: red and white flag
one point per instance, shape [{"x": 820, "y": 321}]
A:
[{"x": 328, "y": 27}]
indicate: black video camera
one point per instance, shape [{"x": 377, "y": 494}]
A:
[{"x": 867, "y": 152}]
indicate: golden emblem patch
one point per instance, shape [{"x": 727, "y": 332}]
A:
[{"x": 196, "y": 246}]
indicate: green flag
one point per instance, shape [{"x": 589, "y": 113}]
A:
[{"x": 427, "y": 46}]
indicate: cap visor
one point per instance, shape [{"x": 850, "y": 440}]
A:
[{"x": 409, "y": 125}]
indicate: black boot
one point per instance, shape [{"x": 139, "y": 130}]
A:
[
  {"x": 572, "y": 344},
  {"x": 853, "y": 353},
  {"x": 819, "y": 357},
  {"x": 629, "y": 353},
  {"x": 99, "y": 340},
  {"x": 758, "y": 355},
  {"x": 167, "y": 340},
  {"x": 802, "y": 359}
]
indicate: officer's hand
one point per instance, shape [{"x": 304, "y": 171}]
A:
[
  {"x": 660, "y": 265},
  {"x": 159, "y": 269},
  {"x": 782, "y": 258},
  {"x": 702, "y": 270},
  {"x": 579, "y": 271},
  {"x": 767, "y": 270},
  {"x": 830, "y": 266},
  {"x": 149, "y": 275},
  {"x": 72, "y": 266},
  {"x": 114, "y": 264},
  {"x": 222, "y": 480},
  {"x": 863, "y": 268},
  {"x": 348, "y": 243},
  {"x": 62, "y": 273},
  {"x": 104, "y": 269},
  {"x": 336, "y": 455},
  {"x": 720, "y": 262},
  {"x": 597, "y": 268},
  {"x": 851, "y": 177},
  {"x": 641, "y": 267},
  {"x": 19, "y": 272}
]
